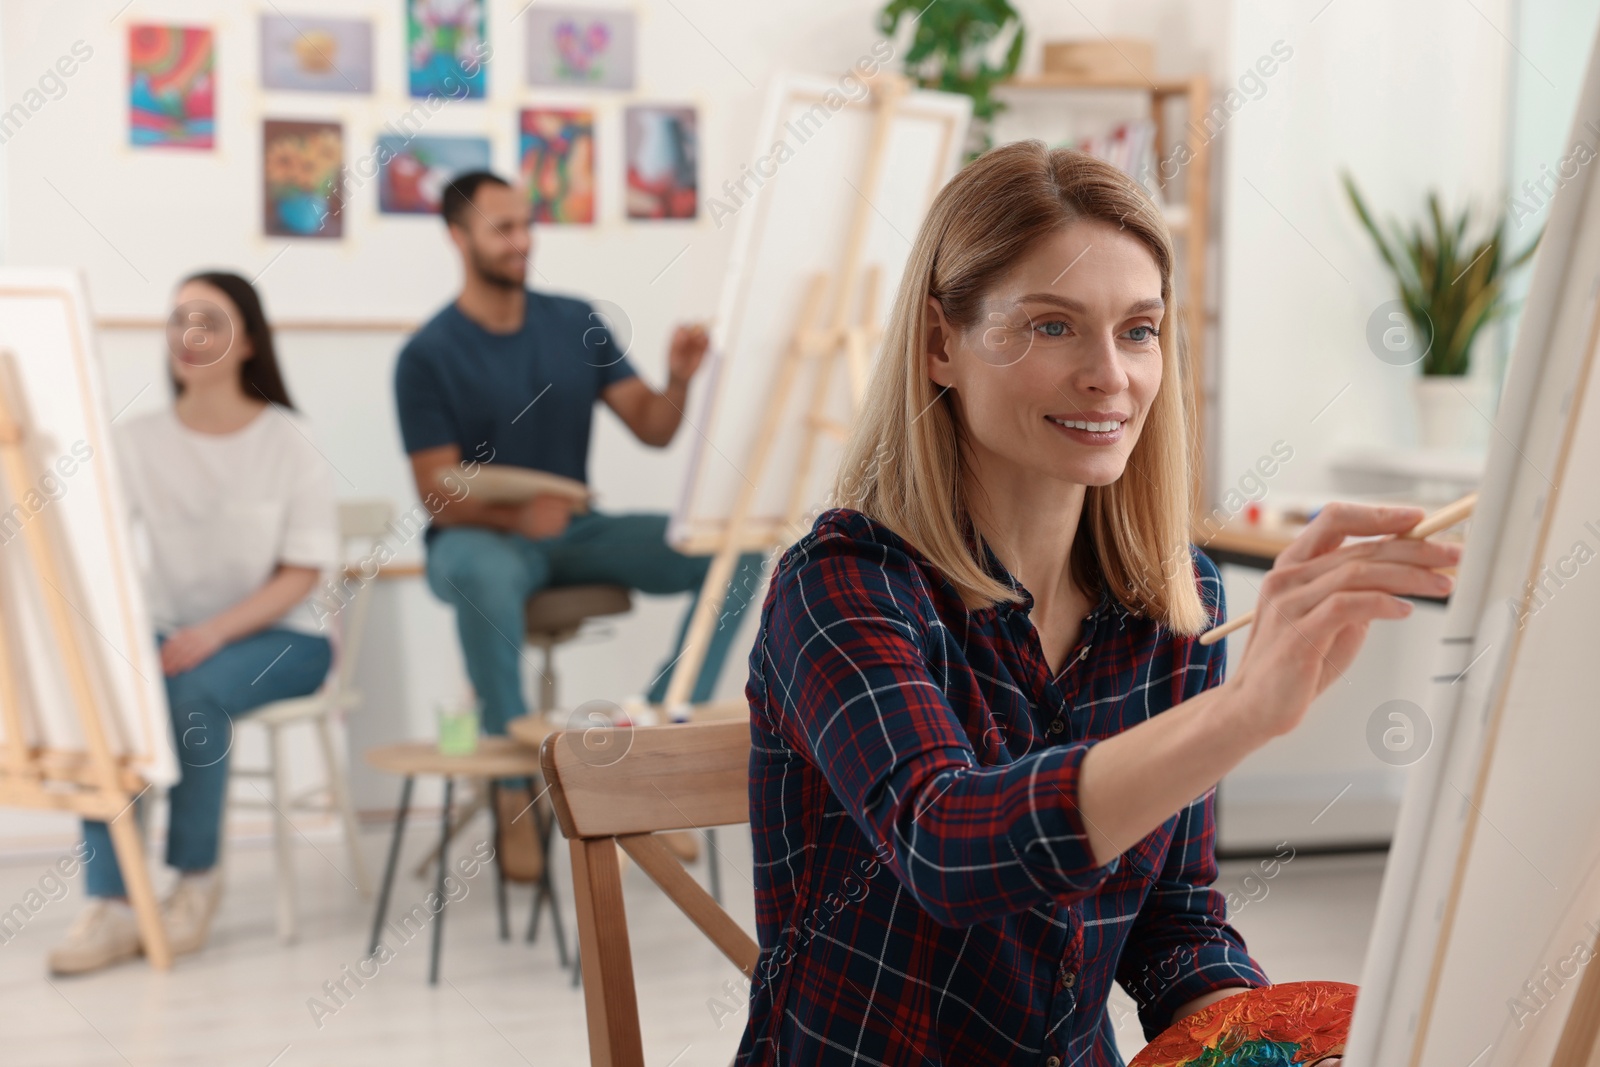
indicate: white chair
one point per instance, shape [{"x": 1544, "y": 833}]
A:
[{"x": 362, "y": 522}]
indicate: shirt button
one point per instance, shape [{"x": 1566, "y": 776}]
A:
[
  {"x": 1069, "y": 978},
  {"x": 1057, "y": 726},
  {"x": 1053, "y": 1061}
]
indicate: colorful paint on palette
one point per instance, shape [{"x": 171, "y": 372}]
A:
[
  {"x": 1291, "y": 1025},
  {"x": 556, "y": 163},
  {"x": 171, "y": 87}
]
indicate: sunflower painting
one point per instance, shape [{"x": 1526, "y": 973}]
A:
[{"x": 302, "y": 168}]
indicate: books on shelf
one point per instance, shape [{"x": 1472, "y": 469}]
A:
[{"x": 1131, "y": 148}]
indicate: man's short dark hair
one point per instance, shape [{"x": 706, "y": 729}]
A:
[{"x": 457, "y": 197}]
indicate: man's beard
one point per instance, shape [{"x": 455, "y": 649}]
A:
[{"x": 494, "y": 275}]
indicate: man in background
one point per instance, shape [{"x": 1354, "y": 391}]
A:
[{"x": 507, "y": 375}]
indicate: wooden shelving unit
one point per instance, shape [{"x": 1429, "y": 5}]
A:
[{"x": 1189, "y": 219}]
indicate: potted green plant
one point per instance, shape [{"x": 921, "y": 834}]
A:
[
  {"x": 1450, "y": 287},
  {"x": 950, "y": 49}
]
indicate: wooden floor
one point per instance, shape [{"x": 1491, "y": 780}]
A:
[{"x": 248, "y": 1001}]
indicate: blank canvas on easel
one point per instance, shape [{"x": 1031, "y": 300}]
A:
[
  {"x": 44, "y": 326},
  {"x": 793, "y": 208},
  {"x": 1491, "y": 897}
]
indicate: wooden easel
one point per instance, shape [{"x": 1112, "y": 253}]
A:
[
  {"x": 95, "y": 784},
  {"x": 826, "y": 341}
]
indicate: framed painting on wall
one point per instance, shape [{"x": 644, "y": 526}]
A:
[
  {"x": 316, "y": 55},
  {"x": 171, "y": 87},
  {"x": 580, "y": 47},
  {"x": 412, "y": 173},
  {"x": 302, "y": 169},
  {"x": 662, "y": 162},
  {"x": 446, "y": 48},
  {"x": 556, "y": 163}
]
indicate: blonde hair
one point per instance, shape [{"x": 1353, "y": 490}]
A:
[{"x": 903, "y": 463}]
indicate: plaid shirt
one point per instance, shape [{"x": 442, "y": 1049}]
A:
[{"x": 925, "y": 891}]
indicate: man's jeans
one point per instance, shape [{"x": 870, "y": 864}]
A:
[{"x": 489, "y": 575}]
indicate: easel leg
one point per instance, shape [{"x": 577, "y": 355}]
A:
[{"x": 129, "y": 847}]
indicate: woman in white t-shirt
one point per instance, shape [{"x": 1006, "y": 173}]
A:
[{"x": 233, "y": 507}]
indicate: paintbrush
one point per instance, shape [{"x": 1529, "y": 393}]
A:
[{"x": 1442, "y": 519}]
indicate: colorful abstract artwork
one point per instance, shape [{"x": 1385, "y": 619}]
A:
[
  {"x": 413, "y": 173},
  {"x": 1297, "y": 1023},
  {"x": 556, "y": 154},
  {"x": 171, "y": 87},
  {"x": 446, "y": 48},
  {"x": 584, "y": 47},
  {"x": 302, "y": 170},
  {"x": 316, "y": 55},
  {"x": 662, "y": 163}
]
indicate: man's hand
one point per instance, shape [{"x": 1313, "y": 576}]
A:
[
  {"x": 544, "y": 515},
  {"x": 186, "y": 649},
  {"x": 689, "y": 344}
]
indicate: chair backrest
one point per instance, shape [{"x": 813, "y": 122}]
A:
[
  {"x": 362, "y": 524},
  {"x": 617, "y": 787}
]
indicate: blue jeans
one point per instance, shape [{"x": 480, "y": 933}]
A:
[
  {"x": 274, "y": 664},
  {"x": 489, "y": 575}
]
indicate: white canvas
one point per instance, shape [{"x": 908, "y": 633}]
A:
[
  {"x": 44, "y": 323},
  {"x": 1491, "y": 890},
  {"x": 791, "y": 225}
]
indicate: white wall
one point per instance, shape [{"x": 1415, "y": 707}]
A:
[
  {"x": 1407, "y": 96},
  {"x": 136, "y": 221}
]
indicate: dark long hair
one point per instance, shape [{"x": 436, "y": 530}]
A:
[{"x": 258, "y": 375}]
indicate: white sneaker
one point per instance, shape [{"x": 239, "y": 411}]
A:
[
  {"x": 188, "y": 910},
  {"x": 104, "y": 933}
]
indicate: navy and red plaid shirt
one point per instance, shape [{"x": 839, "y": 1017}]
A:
[{"x": 925, "y": 891}]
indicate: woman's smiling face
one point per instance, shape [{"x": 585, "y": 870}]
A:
[{"x": 1059, "y": 372}]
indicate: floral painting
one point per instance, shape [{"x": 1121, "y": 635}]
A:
[
  {"x": 446, "y": 48},
  {"x": 585, "y": 47},
  {"x": 302, "y": 166}
]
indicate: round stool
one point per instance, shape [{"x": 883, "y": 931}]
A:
[
  {"x": 555, "y": 615},
  {"x": 495, "y": 758}
]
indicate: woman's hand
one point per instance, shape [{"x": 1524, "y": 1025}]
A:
[
  {"x": 186, "y": 649},
  {"x": 1318, "y": 600}
]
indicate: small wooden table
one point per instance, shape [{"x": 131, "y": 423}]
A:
[{"x": 495, "y": 758}]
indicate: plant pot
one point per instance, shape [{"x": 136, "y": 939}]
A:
[{"x": 1453, "y": 411}]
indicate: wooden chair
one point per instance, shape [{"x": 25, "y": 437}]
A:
[{"x": 621, "y": 786}]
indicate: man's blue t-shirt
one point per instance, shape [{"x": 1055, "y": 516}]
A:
[{"x": 525, "y": 398}]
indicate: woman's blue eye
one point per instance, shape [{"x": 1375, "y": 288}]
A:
[
  {"x": 1146, "y": 333},
  {"x": 1053, "y": 329}
]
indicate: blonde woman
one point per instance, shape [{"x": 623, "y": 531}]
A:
[{"x": 985, "y": 736}]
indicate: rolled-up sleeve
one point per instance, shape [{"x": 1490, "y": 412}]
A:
[
  {"x": 1181, "y": 945},
  {"x": 851, "y": 686}
]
